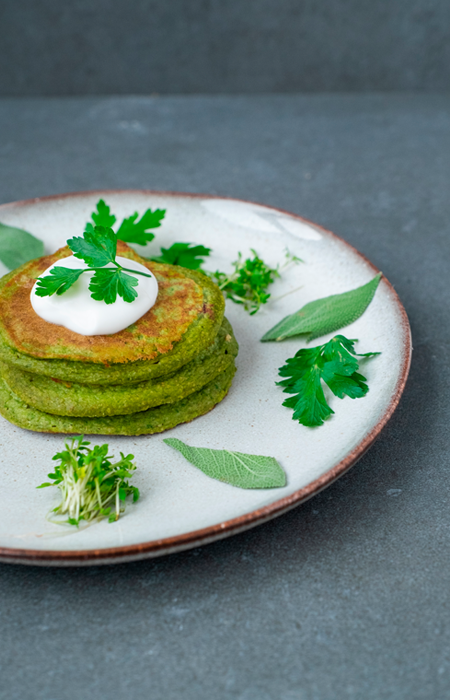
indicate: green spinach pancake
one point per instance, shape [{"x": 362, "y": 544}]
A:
[
  {"x": 174, "y": 364},
  {"x": 184, "y": 320},
  {"x": 154, "y": 420},
  {"x": 72, "y": 399}
]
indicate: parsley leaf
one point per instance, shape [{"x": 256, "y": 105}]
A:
[
  {"x": 92, "y": 487},
  {"x": 335, "y": 363},
  {"x": 184, "y": 255},
  {"x": 58, "y": 281},
  {"x": 132, "y": 231},
  {"x": 326, "y": 315},
  {"x": 103, "y": 216},
  {"x": 109, "y": 282},
  {"x": 235, "y": 468},
  {"x": 97, "y": 247}
]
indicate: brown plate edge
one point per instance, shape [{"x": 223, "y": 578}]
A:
[{"x": 196, "y": 538}]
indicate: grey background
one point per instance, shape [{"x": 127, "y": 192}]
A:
[
  {"x": 50, "y": 47},
  {"x": 347, "y": 596}
]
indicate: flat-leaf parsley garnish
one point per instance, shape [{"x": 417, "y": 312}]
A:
[
  {"x": 184, "y": 254},
  {"x": 102, "y": 216},
  {"x": 235, "y": 468},
  {"x": 132, "y": 229},
  {"x": 92, "y": 487},
  {"x": 334, "y": 363},
  {"x": 97, "y": 247}
]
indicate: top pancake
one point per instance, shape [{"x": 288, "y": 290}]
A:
[{"x": 188, "y": 304}]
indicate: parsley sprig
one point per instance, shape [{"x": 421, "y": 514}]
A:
[
  {"x": 97, "y": 247},
  {"x": 132, "y": 229},
  {"x": 334, "y": 363},
  {"x": 248, "y": 283},
  {"x": 184, "y": 254},
  {"x": 92, "y": 487}
]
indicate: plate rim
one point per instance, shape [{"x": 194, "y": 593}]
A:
[{"x": 197, "y": 538}]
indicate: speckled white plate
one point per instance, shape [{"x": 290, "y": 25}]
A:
[{"x": 180, "y": 507}]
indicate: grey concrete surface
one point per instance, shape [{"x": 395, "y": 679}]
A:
[
  {"x": 346, "y": 597},
  {"x": 222, "y": 46}
]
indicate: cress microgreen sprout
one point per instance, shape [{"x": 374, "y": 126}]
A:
[
  {"x": 248, "y": 283},
  {"x": 92, "y": 487}
]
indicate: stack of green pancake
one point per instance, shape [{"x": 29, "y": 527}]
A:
[{"x": 172, "y": 365}]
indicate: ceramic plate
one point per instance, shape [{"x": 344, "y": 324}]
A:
[{"x": 180, "y": 507}]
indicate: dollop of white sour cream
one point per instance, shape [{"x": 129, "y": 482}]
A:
[{"x": 79, "y": 312}]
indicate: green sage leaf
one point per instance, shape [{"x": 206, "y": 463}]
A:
[
  {"x": 326, "y": 315},
  {"x": 235, "y": 468},
  {"x": 18, "y": 246}
]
